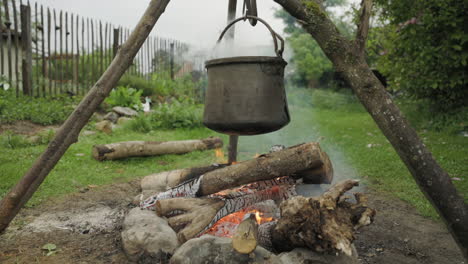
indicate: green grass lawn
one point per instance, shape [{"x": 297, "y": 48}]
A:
[{"x": 77, "y": 169}]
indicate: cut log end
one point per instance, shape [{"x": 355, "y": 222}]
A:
[
  {"x": 245, "y": 237},
  {"x": 320, "y": 175},
  {"x": 99, "y": 152}
]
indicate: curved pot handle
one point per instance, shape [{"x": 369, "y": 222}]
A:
[{"x": 279, "y": 52}]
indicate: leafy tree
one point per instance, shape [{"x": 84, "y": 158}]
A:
[
  {"x": 423, "y": 49},
  {"x": 310, "y": 63}
]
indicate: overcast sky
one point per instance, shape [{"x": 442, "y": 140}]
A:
[{"x": 198, "y": 22}]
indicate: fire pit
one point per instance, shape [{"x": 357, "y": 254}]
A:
[{"x": 254, "y": 204}]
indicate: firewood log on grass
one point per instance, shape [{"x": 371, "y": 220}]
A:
[{"x": 152, "y": 148}]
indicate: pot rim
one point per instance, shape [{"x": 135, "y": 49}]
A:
[{"x": 245, "y": 59}]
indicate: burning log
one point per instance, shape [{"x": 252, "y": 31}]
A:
[
  {"x": 267, "y": 166},
  {"x": 169, "y": 179},
  {"x": 192, "y": 216},
  {"x": 323, "y": 224},
  {"x": 245, "y": 238},
  {"x": 291, "y": 161},
  {"x": 152, "y": 148}
]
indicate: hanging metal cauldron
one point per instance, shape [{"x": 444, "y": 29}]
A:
[{"x": 246, "y": 95}]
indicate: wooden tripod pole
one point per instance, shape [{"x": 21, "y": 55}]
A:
[{"x": 69, "y": 131}]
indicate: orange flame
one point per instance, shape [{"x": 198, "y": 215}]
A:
[
  {"x": 227, "y": 225},
  {"x": 220, "y": 158}
]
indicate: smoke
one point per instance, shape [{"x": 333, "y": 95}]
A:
[{"x": 302, "y": 128}]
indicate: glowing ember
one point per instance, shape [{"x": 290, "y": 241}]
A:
[
  {"x": 220, "y": 158},
  {"x": 228, "y": 224}
]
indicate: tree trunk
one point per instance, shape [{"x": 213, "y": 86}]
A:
[
  {"x": 348, "y": 59},
  {"x": 152, "y": 148},
  {"x": 69, "y": 131}
]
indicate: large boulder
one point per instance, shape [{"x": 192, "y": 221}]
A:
[
  {"x": 147, "y": 237},
  {"x": 125, "y": 111},
  {"x": 211, "y": 249}
]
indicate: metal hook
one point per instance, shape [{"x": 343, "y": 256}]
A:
[{"x": 250, "y": 9}]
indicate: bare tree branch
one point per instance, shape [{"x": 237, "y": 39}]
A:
[
  {"x": 363, "y": 26},
  {"x": 69, "y": 131}
]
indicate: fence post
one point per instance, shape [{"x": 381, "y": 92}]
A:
[
  {"x": 115, "y": 46},
  {"x": 26, "y": 40},
  {"x": 172, "y": 60}
]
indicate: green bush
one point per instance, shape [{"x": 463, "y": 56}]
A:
[
  {"x": 424, "y": 50},
  {"x": 177, "y": 114},
  {"x": 161, "y": 85},
  {"x": 419, "y": 113},
  {"x": 139, "y": 83},
  {"x": 44, "y": 111},
  {"x": 125, "y": 97},
  {"x": 141, "y": 123}
]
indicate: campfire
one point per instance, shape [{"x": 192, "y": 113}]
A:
[
  {"x": 227, "y": 225},
  {"x": 255, "y": 203}
]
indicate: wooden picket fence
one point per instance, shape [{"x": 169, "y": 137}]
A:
[{"x": 45, "y": 52}]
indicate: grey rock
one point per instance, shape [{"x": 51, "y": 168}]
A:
[
  {"x": 146, "y": 236},
  {"x": 125, "y": 111},
  {"x": 111, "y": 116},
  {"x": 98, "y": 117},
  {"x": 104, "y": 126},
  {"x": 210, "y": 249},
  {"x": 302, "y": 255}
]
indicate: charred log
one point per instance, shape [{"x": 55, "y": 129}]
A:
[
  {"x": 324, "y": 224},
  {"x": 193, "y": 216},
  {"x": 298, "y": 160},
  {"x": 268, "y": 166},
  {"x": 169, "y": 179}
]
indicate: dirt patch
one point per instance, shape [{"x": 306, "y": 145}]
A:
[
  {"x": 400, "y": 235},
  {"x": 24, "y": 128},
  {"x": 86, "y": 229}
]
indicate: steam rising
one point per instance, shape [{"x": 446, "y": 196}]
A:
[{"x": 301, "y": 129}]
